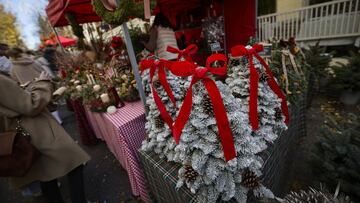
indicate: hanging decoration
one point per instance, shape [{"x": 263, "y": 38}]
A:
[
  {"x": 254, "y": 82},
  {"x": 110, "y": 5},
  {"x": 76, "y": 28},
  {"x": 124, "y": 11},
  {"x": 185, "y": 68}
]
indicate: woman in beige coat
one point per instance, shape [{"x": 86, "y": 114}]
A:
[
  {"x": 25, "y": 70},
  {"x": 60, "y": 155}
]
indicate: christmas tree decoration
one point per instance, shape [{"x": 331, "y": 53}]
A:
[
  {"x": 289, "y": 67},
  {"x": 159, "y": 135},
  {"x": 234, "y": 61},
  {"x": 250, "y": 86},
  {"x": 210, "y": 135},
  {"x": 207, "y": 106},
  {"x": 250, "y": 180},
  {"x": 184, "y": 55},
  {"x": 185, "y": 68},
  {"x": 278, "y": 114},
  {"x": 263, "y": 76},
  {"x": 201, "y": 143},
  {"x": 159, "y": 65},
  {"x": 157, "y": 84},
  {"x": 159, "y": 122},
  {"x": 190, "y": 174}
]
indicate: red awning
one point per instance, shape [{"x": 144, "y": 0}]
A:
[
  {"x": 63, "y": 41},
  {"x": 83, "y": 10}
]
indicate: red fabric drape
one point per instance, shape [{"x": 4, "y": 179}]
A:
[
  {"x": 84, "y": 128},
  {"x": 239, "y": 21}
]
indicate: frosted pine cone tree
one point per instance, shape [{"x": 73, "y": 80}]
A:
[
  {"x": 205, "y": 171},
  {"x": 159, "y": 134},
  {"x": 270, "y": 118}
]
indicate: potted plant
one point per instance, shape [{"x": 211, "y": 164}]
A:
[
  {"x": 346, "y": 80},
  {"x": 335, "y": 157},
  {"x": 318, "y": 61}
]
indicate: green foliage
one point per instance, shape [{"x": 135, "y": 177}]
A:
[
  {"x": 137, "y": 37},
  {"x": 44, "y": 26},
  {"x": 76, "y": 28},
  {"x": 266, "y": 7},
  {"x": 314, "y": 195},
  {"x": 297, "y": 83},
  {"x": 347, "y": 77},
  {"x": 127, "y": 9},
  {"x": 336, "y": 157},
  {"x": 317, "y": 59},
  {"x": 8, "y": 32}
]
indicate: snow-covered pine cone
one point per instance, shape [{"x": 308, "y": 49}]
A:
[{"x": 250, "y": 180}]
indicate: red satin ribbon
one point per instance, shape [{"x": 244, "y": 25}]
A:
[
  {"x": 186, "y": 68},
  {"x": 240, "y": 50},
  {"x": 160, "y": 65},
  {"x": 186, "y": 53}
]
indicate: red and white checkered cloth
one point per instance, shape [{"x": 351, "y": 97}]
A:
[{"x": 123, "y": 133}]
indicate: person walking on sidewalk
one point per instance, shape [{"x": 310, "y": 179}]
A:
[
  {"x": 25, "y": 70},
  {"x": 59, "y": 154}
]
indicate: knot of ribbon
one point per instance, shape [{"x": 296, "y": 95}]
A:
[
  {"x": 240, "y": 50},
  {"x": 186, "y": 68},
  {"x": 185, "y": 53},
  {"x": 160, "y": 65}
]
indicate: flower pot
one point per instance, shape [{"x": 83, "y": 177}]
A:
[{"x": 349, "y": 97}]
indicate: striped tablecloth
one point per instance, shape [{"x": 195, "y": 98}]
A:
[{"x": 123, "y": 133}]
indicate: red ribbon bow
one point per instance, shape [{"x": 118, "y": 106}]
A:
[
  {"x": 240, "y": 50},
  {"x": 186, "y": 68},
  {"x": 161, "y": 64},
  {"x": 186, "y": 53}
]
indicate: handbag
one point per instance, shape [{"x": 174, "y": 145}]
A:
[{"x": 17, "y": 154}]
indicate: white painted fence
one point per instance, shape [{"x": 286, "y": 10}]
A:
[{"x": 335, "y": 19}]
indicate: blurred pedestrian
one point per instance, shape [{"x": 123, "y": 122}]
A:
[
  {"x": 24, "y": 70},
  {"x": 50, "y": 56},
  {"x": 5, "y": 63},
  {"x": 162, "y": 35},
  {"x": 59, "y": 154}
]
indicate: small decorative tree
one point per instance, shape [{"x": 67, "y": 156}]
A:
[
  {"x": 160, "y": 139},
  {"x": 215, "y": 142},
  {"x": 336, "y": 155},
  {"x": 269, "y": 105},
  {"x": 347, "y": 77}
]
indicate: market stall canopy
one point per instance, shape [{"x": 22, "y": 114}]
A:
[
  {"x": 83, "y": 10},
  {"x": 65, "y": 42}
]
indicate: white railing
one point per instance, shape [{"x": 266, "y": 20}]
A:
[{"x": 335, "y": 19}]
